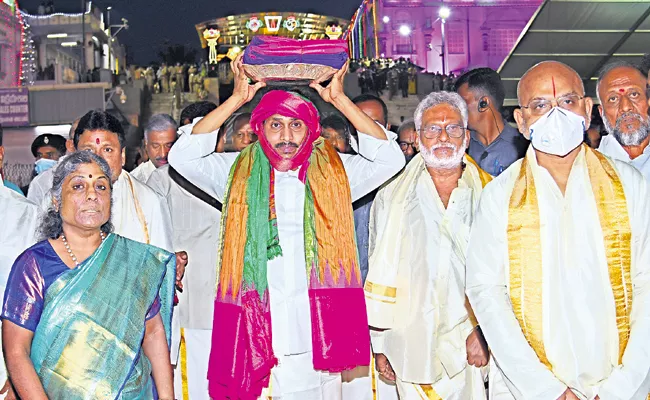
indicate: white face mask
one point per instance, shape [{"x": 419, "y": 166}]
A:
[
  {"x": 43, "y": 164},
  {"x": 558, "y": 132}
]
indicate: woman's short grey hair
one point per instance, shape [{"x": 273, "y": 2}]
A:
[
  {"x": 160, "y": 123},
  {"x": 51, "y": 222},
  {"x": 436, "y": 98}
]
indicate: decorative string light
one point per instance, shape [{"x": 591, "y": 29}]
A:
[
  {"x": 11, "y": 21},
  {"x": 27, "y": 67}
]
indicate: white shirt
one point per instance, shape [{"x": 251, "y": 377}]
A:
[
  {"x": 193, "y": 157},
  {"x": 124, "y": 214},
  {"x": 609, "y": 146},
  {"x": 196, "y": 231},
  {"x": 19, "y": 218},
  {"x": 143, "y": 171},
  {"x": 579, "y": 325}
]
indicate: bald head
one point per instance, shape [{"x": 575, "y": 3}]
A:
[
  {"x": 553, "y": 82},
  {"x": 550, "y": 75}
]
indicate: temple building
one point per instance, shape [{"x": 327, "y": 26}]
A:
[{"x": 477, "y": 32}]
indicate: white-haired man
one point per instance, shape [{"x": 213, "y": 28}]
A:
[
  {"x": 558, "y": 267},
  {"x": 415, "y": 291},
  {"x": 623, "y": 106},
  {"x": 160, "y": 134}
]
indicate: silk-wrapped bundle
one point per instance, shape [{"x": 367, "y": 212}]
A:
[{"x": 269, "y": 58}]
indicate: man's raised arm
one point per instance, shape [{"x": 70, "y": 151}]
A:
[
  {"x": 193, "y": 154},
  {"x": 380, "y": 157}
]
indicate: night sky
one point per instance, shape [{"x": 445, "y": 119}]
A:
[{"x": 155, "y": 23}]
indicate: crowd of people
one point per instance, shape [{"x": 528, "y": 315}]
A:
[
  {"x": 377, "y": 75},
  {"x": 163, "y": 78},
  {"x": 398, "y": 76},
  {"x": 268, "y": 250}
]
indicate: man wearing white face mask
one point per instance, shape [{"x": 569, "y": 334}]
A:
[{"x": 558, "y": 267}]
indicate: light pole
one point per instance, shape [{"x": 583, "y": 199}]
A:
[
  {"x": 124, "y": 25},
  {"x": 110, "y": 38},
  {"x": 83, "y": 37},
  {"x": 443, "y": 13}
]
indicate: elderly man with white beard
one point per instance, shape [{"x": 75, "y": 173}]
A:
[
  {"x": 422, "y": 334},
  {"x": 622, "y": 92}
]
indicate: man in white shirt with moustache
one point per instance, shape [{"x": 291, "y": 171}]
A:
[{"x": 160, "y": 134}]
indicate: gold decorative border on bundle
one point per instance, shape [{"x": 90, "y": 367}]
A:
[{"x": 289, "y": 72}]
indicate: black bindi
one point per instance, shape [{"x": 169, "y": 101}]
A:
[{"x": 90, "y": 176}]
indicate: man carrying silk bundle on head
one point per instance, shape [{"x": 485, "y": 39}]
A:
[{"x": 289, "y": 313}]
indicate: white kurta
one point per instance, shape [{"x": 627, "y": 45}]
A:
[
  {"x": 196, "y": 231},
  {"x": 19, "y": 218},
  {"x": 143, "y": 171},
  {"x": 124, "y": 214},
  {"x": 193, "y": 157},
  {"x": 609, "y": 146},
  {"x": 579, "y": 322},
  {"x": 427, "y": 324}
]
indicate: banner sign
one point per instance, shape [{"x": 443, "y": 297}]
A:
[{"x": 14, "y": 107}]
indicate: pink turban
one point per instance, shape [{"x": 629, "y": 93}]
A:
[{"x": 289, "y": 105}]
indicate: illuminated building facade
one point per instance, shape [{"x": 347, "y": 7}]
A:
[{"x": 477, "y": 33}]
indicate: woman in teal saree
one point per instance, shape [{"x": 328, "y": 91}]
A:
[{"x": 87, "y": 313}]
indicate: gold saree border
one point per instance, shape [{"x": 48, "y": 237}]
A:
[
  {"x": 380, "y": 290},
  {"x": 525, "y": 253},
  {"x": 617, "y": 239},
  {"x": 483, "y": 176},
  {"x": 184, "y": 382},
  {"x": 138, "y": 211},
  {"x": 427, "y": 392}
]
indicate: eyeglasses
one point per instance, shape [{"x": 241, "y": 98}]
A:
[
  {"x": 433, "y": 131},
  {"x": 542, "y": 106},
  {"x": 405, "y": 145}
]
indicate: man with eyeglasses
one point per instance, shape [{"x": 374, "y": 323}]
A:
[
  {"x": 558, "y": 267},
  {"x": 407, "y": 139},
  {"x": 423, "y": 337},
  {"x": 622, "y": 92}
]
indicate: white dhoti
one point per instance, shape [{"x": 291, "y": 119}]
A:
[
  {"x": 415, "y": 289},
  {"x": 294, "y": 378},
  {"x": 20, "y": 218},
  {"x": 190, "y": 376},
  {"x": 367, "y": 385},
  {"x": 466, "y": 385}
]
